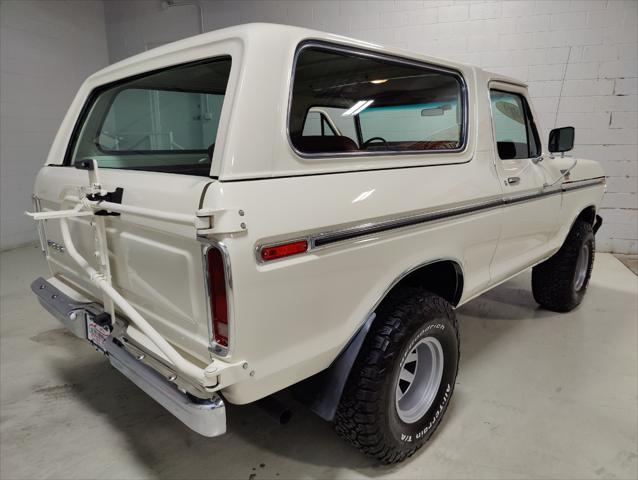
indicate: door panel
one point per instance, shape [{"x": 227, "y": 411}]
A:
[{"x": 530, "y": 217}]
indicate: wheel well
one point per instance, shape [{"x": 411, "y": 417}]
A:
[
  {"x": 588, "y": 215},
  {"x": 322, "y": 392},
  {"x": 445, "y": 278}
]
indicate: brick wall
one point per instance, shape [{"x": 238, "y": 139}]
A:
[
  {"x": 579, "y": 58},
  {"x": 47, "y": 49}
]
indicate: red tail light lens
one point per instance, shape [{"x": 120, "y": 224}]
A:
[
  {"x": 285, "y": 250},
  {"x": 218, "y": 303}
]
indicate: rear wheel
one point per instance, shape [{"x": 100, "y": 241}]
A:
[
  {"x": 401, "y": 384},
  {"x": 560, "y": 282}
]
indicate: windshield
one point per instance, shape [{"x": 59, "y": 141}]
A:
[
  {"x": 165, "y": 121},
  {"x": 434, "y": 121}
]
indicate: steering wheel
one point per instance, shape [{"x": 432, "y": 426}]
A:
[{"x": 370, "y": 140}]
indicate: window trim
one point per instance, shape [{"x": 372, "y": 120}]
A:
[
  {"x": 529, "y": 118},
  {"x": 370, "y": 54},
  {"x": 93, "y": 94}
]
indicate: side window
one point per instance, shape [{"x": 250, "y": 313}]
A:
[
  {"x": 514, "y": 128},
  {"x": 377, "y": 104}
]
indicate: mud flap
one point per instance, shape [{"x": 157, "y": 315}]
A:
[
  {"x": 322, "y": 392},
  {"x": 597, "y": 223}
]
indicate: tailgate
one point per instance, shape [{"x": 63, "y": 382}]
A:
[{"x": 156, "y": 265}]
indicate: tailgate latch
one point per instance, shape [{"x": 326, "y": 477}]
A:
[{"x": 229, "y": 220}]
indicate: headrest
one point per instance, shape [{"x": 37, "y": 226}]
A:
[{"x": 506, "y": 150}]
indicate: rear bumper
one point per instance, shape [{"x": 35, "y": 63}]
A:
[{"x": 205, "y": 416}]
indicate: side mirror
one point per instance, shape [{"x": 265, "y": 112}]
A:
[{"x": 561, "y": 139}]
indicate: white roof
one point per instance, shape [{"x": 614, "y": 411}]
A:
[
  {"x": 253, "y": 32},
  {"x": 260, "y": 89}
]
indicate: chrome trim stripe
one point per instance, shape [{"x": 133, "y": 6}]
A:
[
  {"x": 543, "y": 192},
  {"x": 323, "y": 239},
  {"x": 371, "y": 54},
  {"x": 578, "y": 184}
]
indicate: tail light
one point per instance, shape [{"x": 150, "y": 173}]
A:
[{"x": 218, "y": 301}]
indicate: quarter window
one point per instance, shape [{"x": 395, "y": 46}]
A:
[
  {"x": 514, "y": 128},
  {"x": 377, "y": 104}
]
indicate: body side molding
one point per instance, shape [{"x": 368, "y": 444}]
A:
[{"x": 329, "y": 237}]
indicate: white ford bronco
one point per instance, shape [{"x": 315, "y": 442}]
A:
[{"x": 264, "y": 207}]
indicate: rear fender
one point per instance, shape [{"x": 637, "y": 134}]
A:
[{"x": 322, "y": 392}]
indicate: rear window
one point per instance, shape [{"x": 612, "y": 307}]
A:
[
  {"x": 164, "y": 121},
  {"x": 376, "y": 104}
]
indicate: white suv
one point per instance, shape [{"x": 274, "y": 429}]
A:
[{"x": 265, "y": 206}]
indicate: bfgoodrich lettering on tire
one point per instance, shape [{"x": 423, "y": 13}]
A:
[{"x": 402, "y": 382}]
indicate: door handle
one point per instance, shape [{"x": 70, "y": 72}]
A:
[{"x": 513, "y": 180}]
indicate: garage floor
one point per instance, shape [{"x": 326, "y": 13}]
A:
[{"x": 539, "y": 395}]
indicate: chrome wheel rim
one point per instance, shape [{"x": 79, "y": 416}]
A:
[
  {"x": 419, "y": 380},
  {"x": 582, "y": 264}
]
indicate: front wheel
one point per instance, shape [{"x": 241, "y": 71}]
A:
[
  {"x": 560, "y": 282},
  {"x": 402, "y": 381}
]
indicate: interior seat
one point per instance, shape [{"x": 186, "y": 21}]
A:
[{"x": 321, "y": 144}]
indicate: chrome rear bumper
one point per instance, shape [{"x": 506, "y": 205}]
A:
[{"x": 205, "y": 416}]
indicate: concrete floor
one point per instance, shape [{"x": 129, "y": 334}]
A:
[
  {"x": 539, "y": 395},
  {"x": 629, "y": 261}
]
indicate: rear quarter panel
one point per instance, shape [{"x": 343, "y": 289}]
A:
[{"x": 293, "y": 316}]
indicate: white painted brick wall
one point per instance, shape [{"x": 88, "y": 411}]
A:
[
  {"x": 47, "y": 48},
  {"x": 579, "y": 58}
]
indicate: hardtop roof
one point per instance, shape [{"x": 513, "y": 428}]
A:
[{"x": 249, "y": 32}]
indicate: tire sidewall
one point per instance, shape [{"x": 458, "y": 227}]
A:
[
  {"x": 588, "y": 239},
  {"x": 406, "y": 435}
]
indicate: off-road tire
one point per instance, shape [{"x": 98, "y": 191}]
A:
[
  {"x": 367, "y": 415},
  {"x": 553, "y": 281}
]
